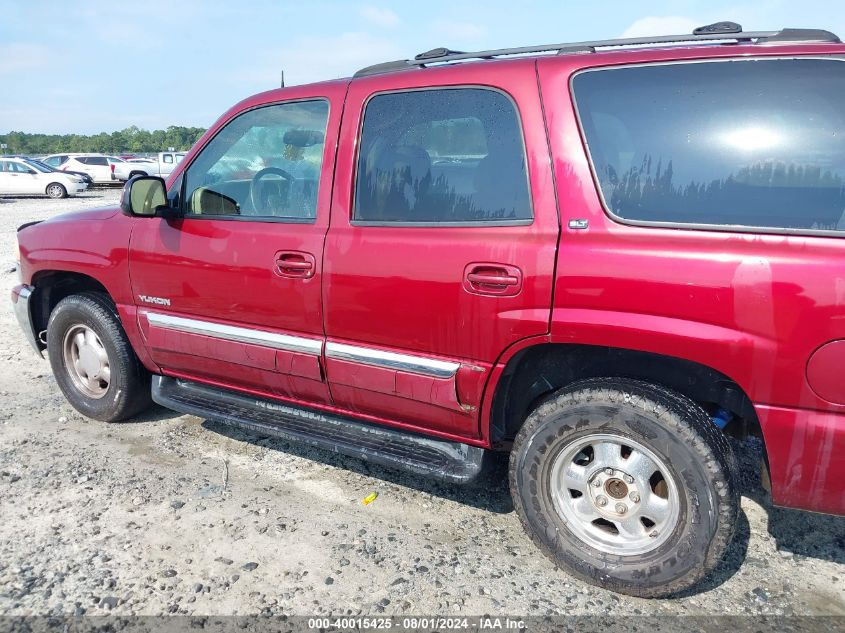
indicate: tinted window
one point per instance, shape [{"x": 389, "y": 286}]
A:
[
  {"x": 447, "y": 155},
  {"x": 750, "y": 143},
  {"x": 20, "y": 168},
  {"x": 97, "y": 160},
  {"x": 38, "y": 166},
  {"x": 265, "y": 163}
]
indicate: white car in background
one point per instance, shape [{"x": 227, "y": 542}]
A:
[
  {"x": 21, "y": 177},
  {"x": 99, "y": 166}
]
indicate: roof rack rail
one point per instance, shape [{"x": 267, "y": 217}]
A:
[{"x": 718, "y": 31}]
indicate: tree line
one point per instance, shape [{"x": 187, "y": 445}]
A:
[{"x": 131, "y": 140}]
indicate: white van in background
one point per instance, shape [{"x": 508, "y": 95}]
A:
[{"x": 99, "y": 166}]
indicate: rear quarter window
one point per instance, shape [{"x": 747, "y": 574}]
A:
[{"x": 751, "y": 143}]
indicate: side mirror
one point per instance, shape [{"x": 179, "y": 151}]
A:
[{"x": 144, "y": 196}]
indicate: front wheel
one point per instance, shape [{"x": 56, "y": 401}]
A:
[
  {"x": 93, "y": 361},
  {"x": 626, "y": 485},
  {"x": 55, "y": 190}
]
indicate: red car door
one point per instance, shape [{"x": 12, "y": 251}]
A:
[
  {"x": 442, "y": 246},
  {"x": 229, "y": 291}
]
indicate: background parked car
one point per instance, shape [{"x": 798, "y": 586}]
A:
[
  {"x": 81, "y": 174},
  {"x": 162, "y": 165},
  {"x": 97, "y": 166},
  {"x": 20, "y": 177},
  {"x": 56, "y": 160}
]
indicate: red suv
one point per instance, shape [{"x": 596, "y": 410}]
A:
[{"x": 604, "y": 261}]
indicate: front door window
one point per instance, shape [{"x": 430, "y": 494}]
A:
[{"x": 264, "y": 164}]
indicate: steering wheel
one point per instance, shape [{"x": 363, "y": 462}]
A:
[{"x": 254, "y": 194}]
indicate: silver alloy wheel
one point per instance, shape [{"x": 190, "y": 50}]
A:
[
  {"x": 55, "y": 191},
  {"x": 86, "y": 361},
  {"x": 614, "y": 494}
]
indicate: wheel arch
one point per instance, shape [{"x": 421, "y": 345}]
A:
[
  {"x": 535, "y": 372},
  {"x": 51, "y": 286}
]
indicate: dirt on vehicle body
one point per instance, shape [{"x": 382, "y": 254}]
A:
[{"x": 425, "y": 267}]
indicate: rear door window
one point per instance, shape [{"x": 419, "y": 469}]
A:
[
  {"x": 750, "y": 143},
  {"x": 442, "y": 156}
]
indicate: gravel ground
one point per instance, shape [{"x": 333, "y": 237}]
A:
[{"x": 174, "y": 514}]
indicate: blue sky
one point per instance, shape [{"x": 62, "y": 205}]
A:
[{"x": 86, "y": 66}]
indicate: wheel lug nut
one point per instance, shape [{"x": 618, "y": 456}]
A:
[
  {"x": 634, "y": 497},
  {"x": 601, "y": 501},
  {"x": 653, "y": 534},
  {"x": 597, "y": 483},
  {"x": 608, "y": 471},
  {"x": 629, "y": 479},
  {"x": 621, "y": 508}
]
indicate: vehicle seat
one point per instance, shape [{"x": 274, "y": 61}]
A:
[
  {"x": 500, "y": 187},
  {"x": 400, "y": 177},
  {"x": 206, "y": 201}
]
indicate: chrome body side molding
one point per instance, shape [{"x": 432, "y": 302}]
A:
[
  {"x": 392, "y": 360},
  {"x": 273, "y": 340},
  {"x": 340, "y": 351}
]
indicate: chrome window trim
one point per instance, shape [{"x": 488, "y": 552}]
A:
[
  {"x": 392, "y": 360},
  {"x": 284, "y": 342},
  {"x": 689, "y": 226}
]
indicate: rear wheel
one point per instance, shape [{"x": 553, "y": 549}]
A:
[
  {"x": 55, "y": 190},
  {"x": 627, "y": 485},
  {"x": 92, "y": 360}
]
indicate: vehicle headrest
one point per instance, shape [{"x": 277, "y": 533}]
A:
[{"x": 303, "y": 138}]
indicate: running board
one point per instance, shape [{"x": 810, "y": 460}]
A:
[{"x": 438, "y": 459}]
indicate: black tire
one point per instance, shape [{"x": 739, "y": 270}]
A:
[
  {"x": 137, "y": 173},
  {"x": 676, "y": 431},
  {"x": 127, "y": 392},
  {"x": 56, "y": 190}
]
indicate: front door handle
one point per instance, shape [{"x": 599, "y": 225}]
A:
[
  {"x": 500, "y": 280},
  {"x": 295, "y": 264}
]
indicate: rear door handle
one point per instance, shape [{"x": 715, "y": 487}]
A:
[
  {"x": 500, "y": 280},
  {"x": 492, "y": 279},
  {"x": 295, "y": 264}
]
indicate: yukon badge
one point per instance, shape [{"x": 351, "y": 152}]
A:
[{"x": 161, "y": 301}]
